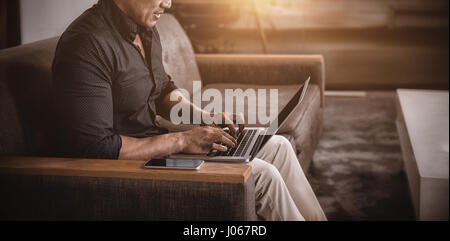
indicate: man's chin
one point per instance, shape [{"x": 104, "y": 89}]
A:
[{"x": 151, "y": 24}]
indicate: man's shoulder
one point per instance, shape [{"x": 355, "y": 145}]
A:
[{"x": 87, "y": 30}]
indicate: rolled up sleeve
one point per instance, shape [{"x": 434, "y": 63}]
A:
[{"x": 168, "y": 87}]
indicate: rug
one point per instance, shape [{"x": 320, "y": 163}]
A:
[{"x": 357, "y": 172}]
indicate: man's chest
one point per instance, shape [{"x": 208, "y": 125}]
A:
[
  {"x": 136, "y": 79},
  {"x": 140, "y": 46}
]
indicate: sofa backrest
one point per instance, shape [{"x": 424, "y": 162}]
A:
[
  {"x": 25, "y": 85},
  {"x": 25, "y": 81},
  {"x": 178, "y": 54}
]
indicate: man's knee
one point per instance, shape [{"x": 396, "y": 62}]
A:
[
  {"x": 267, "y": 173},
  {"x": 281, "y": 141}
]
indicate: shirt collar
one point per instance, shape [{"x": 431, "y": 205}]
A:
[{"x": 124, "y": 24}]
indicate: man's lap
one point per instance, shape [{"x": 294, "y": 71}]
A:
[{"x": 263, "y": 160}]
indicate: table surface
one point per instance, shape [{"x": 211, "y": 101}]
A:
[
  {"x": 426, "y": 115},
  {"x": 209, "y": 172}
]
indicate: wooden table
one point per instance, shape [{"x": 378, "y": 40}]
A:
[
  {"x": 209, "y": 172},
  {"x": 423, "y": 125}
]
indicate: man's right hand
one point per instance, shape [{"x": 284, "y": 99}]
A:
[{"x": 203, "y": 139}]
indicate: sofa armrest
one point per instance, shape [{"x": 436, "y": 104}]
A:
[
  {"x": 262, "y": 69},
  {"x": 85, "y": 189}
]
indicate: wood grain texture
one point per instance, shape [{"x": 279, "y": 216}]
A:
[{"x": 209, "y": 172}]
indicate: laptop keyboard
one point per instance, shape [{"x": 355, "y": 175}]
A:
[{"x": 243, "y": 143}]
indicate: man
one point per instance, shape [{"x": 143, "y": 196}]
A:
[{"x": 109, "y": 85}]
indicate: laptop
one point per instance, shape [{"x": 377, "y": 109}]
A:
[{"x": 251, "y": 140}]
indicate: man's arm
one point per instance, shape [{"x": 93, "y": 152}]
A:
[
  {"x": 152, "y": 147},
  {"x": 197, "y": 140},
  {"x": 165, "y": 105},
  {"x": 83, "y": 99}
]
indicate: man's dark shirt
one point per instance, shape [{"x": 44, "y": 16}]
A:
[{"x": 103, "y": 87}]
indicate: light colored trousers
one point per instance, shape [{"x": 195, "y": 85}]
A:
[{"x": 282, "y": 191}]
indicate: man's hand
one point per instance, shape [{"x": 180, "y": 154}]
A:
[
  {"x": 229, "y": 120},
  {"x": 201, "y": 140},
  {"x": 226, "y": 119}
]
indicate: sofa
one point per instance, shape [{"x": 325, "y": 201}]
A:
[{"x": 36, "y": 185}]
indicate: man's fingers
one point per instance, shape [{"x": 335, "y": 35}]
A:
[
  {"x": 224, "y": 133},
  {"x": 219, "y": 147},
  {"x": 232, "y": 130},
  {"x": 239, "y": 119},
  {"x": 225, "y": 138},
  {"x": 229, "y": 121},
  {"x": 228, "y": 141},
  {"x": 241, "y": 128}
]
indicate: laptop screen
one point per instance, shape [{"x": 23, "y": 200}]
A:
[
  {"x": 281, "y": 118},
  {"x": 287, "y": 110}
]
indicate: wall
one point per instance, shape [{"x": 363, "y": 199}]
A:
[
  {"x": 382, "y": 44},
  {"x": 42, "y": 19}
]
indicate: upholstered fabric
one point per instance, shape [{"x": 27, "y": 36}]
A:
[
  {"x": 24, "y": 98},
  {"x": 262, "y": 69},
  {"x": 178, "y": 54},
  {"x": 25, "y": 80},
  {"x": 307, "y": 133},
  {"x": 83, "y": 198}
]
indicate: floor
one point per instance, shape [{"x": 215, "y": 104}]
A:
[{"x": 357, "y": 169}]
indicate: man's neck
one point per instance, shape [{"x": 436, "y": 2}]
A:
[
  {"x": 138, "y": 42},
  {"x": 123, "y": 5}
]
